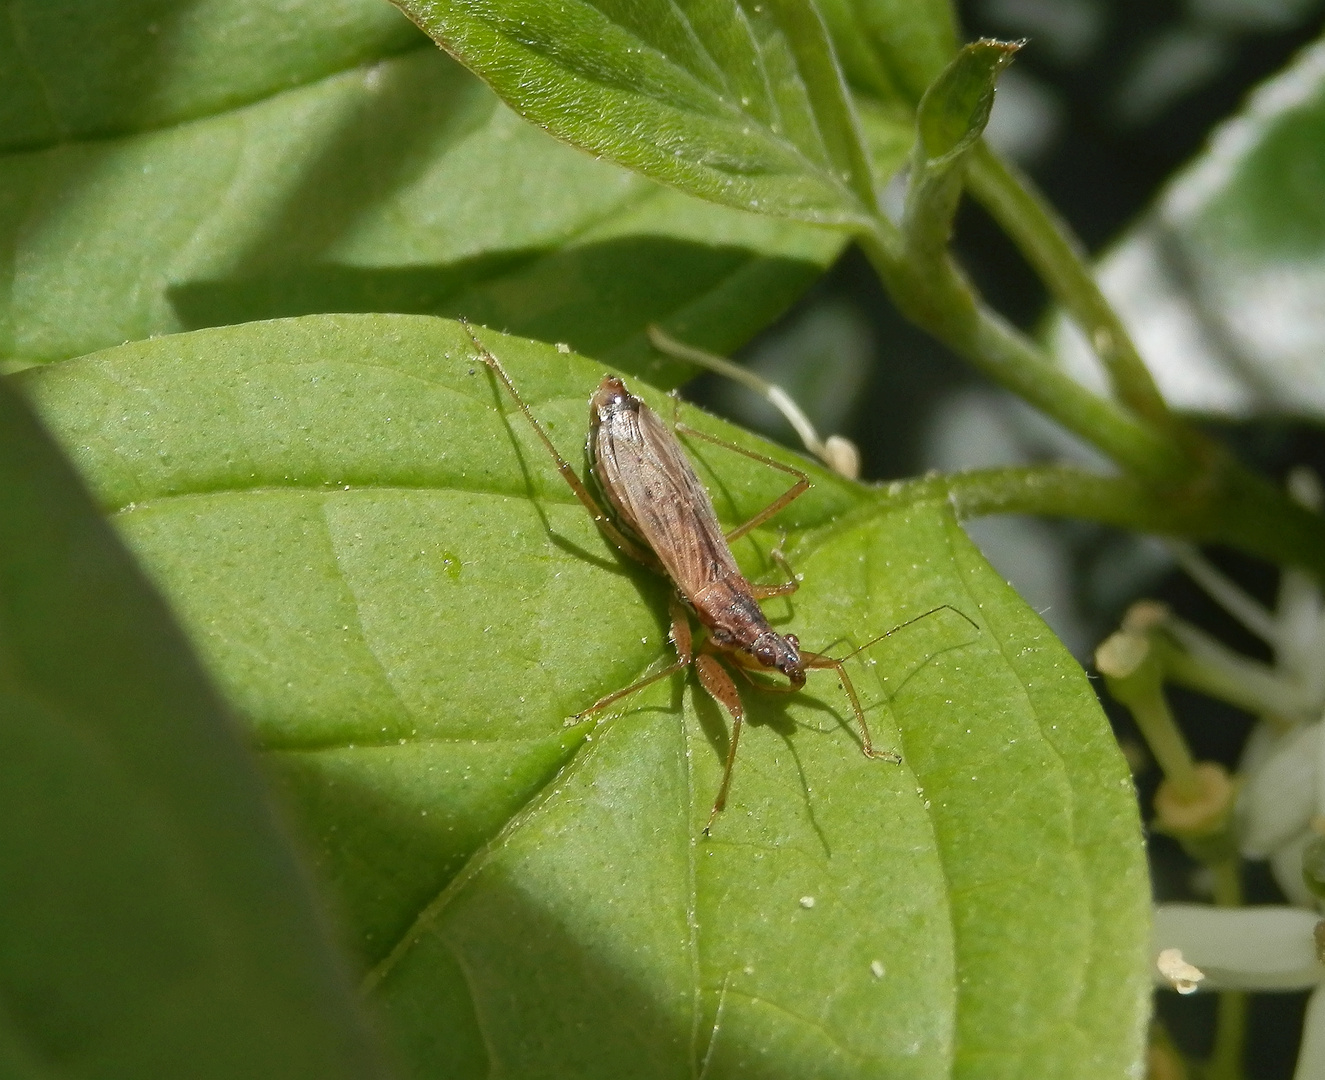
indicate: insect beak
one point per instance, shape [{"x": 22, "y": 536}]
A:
[{"x": 789, "y": 662}]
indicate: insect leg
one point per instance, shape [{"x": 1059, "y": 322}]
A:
[
  {"x": 819, "y": 660},
  {"x": 587, "y": 500},
  {"x": 720, "y": 687},
  {"x": 799, "y": 488},
  {"x": 680, "y": 635},
  {"x": 763, "y": 592}
]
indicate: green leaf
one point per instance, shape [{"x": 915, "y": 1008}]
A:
[
  {"x": 1220, "y": 283},
  {"x": 949, "y": 121},
  {"x": 734, "y": 101},
  {"x": 402, "y": 599},
  {"x": 79, "y": 69},
  {"x": 153, "y": 921},
  {"x": 955, "y": 109},
  {"x": 892, "y": 50},
  {"x": 358, "y": 192}
]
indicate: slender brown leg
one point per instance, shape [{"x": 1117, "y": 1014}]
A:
[
  {"x": 818, "y": 660},
  {"x": 587, "y": 500},
  {"x": 799, "y": 488},
  {"x": 721, "y": 688},
  {"x": 764, "y": 592},
  {"x": 680, "y": 635}
]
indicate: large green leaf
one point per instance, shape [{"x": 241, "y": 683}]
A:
[
  {"x": 731, "y": 100},
  {"x": 78, "y": 69},
  {"x": 153, "y": 921},
  {"x": 400, "y": 595},
  {"x": 1221, "y": 282},
  {"x": 401, "y": 186}
]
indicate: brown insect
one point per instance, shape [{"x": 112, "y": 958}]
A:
[{"x": 661, "y": 515}]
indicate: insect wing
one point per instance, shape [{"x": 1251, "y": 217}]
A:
[{"x": 650, "y": 483}]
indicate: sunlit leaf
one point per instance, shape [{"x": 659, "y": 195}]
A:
[
  {"x": 400, "y": 596},
  {"x": 739, "y": 102},
  {"x": 400, "y": 186}
]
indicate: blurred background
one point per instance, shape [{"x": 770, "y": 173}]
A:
[{"x": 1106, "y": 101}]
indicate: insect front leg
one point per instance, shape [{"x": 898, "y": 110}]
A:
[
  {"x": 765, "y": 592},
  {"x": 681, "y": 638},
  {"x": 819, "y": 660}
]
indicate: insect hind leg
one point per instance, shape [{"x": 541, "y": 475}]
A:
[
  {"x": 715, "y": 680},
  {"x": 799, "y": 488},
  {"x": 681, "y": 639}
]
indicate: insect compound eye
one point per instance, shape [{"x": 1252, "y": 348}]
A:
[
  {"x": 794, "y": 642},
  {"x": 765, "y": 655}
]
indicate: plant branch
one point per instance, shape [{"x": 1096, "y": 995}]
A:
[
  {"x": 935, "y": 296},
  {"x": 1050, "y": 246},
  {"x": 1288, "y": 535},
  {"x": 1205, "y": 492}
]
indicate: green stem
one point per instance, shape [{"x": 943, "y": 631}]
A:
[
  {"x": 1212, "y": 496},
  {"x": 936, "y": 297},
  {"x": 1027, "y": 370},
  {"x": 1245, "y": 683},
  {"x": 1124, "y": 501},
  {"x": 1231, "y": 1011},
  {"x": 1050, "y": 491},
  {"x": 1160, "y": 730},
  {"x": 1049, "y": 245}
]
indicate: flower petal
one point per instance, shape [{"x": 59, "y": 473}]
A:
[
  {"x": 1279, "y": 797},
  {"x": 1286, "y": 863},
  {"x": 1253, "y": 948}
]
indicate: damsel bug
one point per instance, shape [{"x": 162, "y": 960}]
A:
[{"x": 659, "y": 514}]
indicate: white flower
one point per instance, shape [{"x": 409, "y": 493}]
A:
[
  {"x": 1267, "y": 947},
  {"x": 1252, "y": 948},
  {"x": 1281, "y": 806}
]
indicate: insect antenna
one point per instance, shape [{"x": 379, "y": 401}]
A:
[{"x": 910, "y": 622}]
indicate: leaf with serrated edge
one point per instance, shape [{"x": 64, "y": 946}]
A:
[
  {"x": 738, "y": 102},
  {"x": 400, "y": 595}
]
